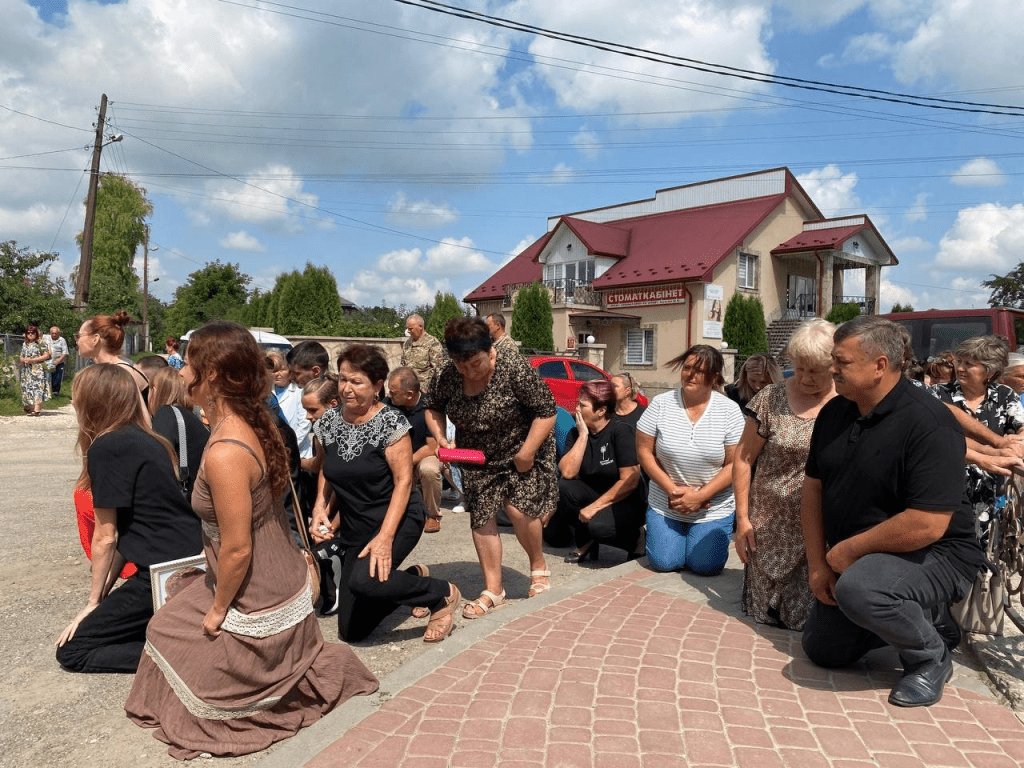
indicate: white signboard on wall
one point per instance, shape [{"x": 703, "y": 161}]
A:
[{"x": 714, "y": 296}]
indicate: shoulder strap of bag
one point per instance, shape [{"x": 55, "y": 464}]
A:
[{"x": 182, "y": 448}]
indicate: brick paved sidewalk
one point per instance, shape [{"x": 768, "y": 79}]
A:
[{"x": 628, "y": 674}]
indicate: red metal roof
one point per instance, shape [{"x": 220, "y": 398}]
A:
[
  {"x": 662, "y": 247},
  {"x": 818, "y": 239}
]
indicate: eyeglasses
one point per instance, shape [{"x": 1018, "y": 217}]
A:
[{"x": 77, "y": 336}]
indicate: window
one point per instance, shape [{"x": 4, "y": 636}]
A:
[
  {"x": 552, "y": 369},
  {"x": 746, "y": 271},
  {"x": 584, "y": 372},
  {"x": 640, "y": 347}
]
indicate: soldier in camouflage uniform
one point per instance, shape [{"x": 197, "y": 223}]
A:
[
  {"x": 421, "y": 351},
  {"x": 496, "y": 326}
]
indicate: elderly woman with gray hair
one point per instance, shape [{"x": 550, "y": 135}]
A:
[
  {"x": 777, "y": 435},
  {"x": 1013, "y": 376},
  {"x": 980, "y": 361}
]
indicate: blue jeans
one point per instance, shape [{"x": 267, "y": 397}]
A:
[
  {"x": 885, "y": 599},
  {"x": 701, "y": 547},
  {"x": 56, "y": 377}
]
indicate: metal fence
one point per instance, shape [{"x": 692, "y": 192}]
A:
[{"x": 1009, "y": 532}]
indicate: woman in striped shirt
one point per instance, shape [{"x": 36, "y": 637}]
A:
[{"x": 686, "y": 440}]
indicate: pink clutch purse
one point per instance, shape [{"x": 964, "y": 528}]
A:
[{"x": 460, "y": 456}]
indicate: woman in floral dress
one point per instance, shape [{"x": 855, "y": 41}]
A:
[
  {"x": 33, "y": 373},
  {"x": 769, "y": 538}
]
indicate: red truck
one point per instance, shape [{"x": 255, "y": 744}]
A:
[{"x": 938, "y": 330}]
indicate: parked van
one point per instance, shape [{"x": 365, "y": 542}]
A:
[
  {"x": 938, "y": 330},
  {"x": 265, "y": 337}
]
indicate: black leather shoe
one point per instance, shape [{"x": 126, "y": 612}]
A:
[
  {"x": 947, "y": 628},
  {"x": 922, "y": 687}
]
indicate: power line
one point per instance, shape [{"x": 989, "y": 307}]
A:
[{"x": 43, "y": 119}]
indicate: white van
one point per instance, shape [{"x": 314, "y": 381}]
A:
[{"x": 265, "y": 337}]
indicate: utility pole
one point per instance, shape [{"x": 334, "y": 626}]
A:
[
  {"x": 85, "y": 263},
  {"x": 145, "y": 293}
]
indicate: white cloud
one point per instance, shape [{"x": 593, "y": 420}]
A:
[
  {"x": 912, "y": 244},
  {"x": 454, "y": 257},
  {"x": 401, "y": 261},
  {"x": 587, "y": 143},
  {"x": 979, "y": 172},
  {"x": 812, "y": 15},
  {"x": 988, "y": 237},
  {"x": 896, "y": 294},
  {"x": 872, "y": 46},
  {"x": 242, "y": 241},
  {"x": 832, "y": 190},
  {"x": 560, "y": 174},
  {"x": 918, "y": 211},
  {"x": 730, "y": 33},
  {"x": 272, "y": 197},
  {"x": 519, "y": 247},
  {"x": 420, "y": 213},
  {"x": 370, "y": 288}
]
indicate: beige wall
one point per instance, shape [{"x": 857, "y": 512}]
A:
[{"x": 392, "y": 348}]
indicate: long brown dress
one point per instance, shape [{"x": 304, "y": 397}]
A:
[
  {"x": 775, "y": 589},
  {"x": 269, "y": 672}
]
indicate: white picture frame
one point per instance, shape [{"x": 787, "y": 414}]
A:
[{"x": 160, "y": 573}]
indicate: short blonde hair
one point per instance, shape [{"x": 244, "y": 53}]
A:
[
  {"x": 992, "y": 352},
  {"x": 812, "y": 341}
]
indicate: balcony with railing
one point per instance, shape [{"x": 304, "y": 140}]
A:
[
  {"x": 563, "y": 292},
  {"x": 866, "y": 303}
]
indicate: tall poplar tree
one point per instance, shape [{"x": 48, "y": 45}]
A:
[{"x": 532, "y": 320}]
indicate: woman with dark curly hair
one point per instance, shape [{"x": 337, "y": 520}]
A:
[
  {"x": 500, "y": 407},
  {"x": 366, "y": 500},
  {"x": 235, "y": 661}
]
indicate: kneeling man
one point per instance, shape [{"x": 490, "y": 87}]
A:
[{"x": 889, "y": 531}]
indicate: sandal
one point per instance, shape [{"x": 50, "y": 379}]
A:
[
  {"x": 436, "y": 628},
  {"x": 478, "y": 608},
  {"x": 538, "y": 587},
  {"x": 420, "y": 611}
]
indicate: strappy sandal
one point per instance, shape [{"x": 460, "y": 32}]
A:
[
  {"x": 478, "y": 608},
  {"x": 436, "y": 625},
  {"x": 421, "y": 611},
  {"x": 539, "y": 587}
]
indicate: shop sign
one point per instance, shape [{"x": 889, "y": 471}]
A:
[{"x": 671, "y": 293}]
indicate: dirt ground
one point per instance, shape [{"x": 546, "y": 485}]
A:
[{"x": 51, "y": 718}]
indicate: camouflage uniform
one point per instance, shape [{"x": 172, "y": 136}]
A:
[
  {"x": 506, "y": 342},
  {"x": 425, "y": 357}
]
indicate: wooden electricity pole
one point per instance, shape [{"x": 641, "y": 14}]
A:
[{"x": 85, "y": 263}]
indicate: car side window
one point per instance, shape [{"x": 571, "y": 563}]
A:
[
  {"x": 552, "y": 369},
  {"x": 584, "y": 372}
]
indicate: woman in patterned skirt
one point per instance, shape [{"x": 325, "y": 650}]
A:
[
  {"x": 33, "y": 373},
  {"x": 501, "y": 407},
  {"x": 769, "y": 538}
]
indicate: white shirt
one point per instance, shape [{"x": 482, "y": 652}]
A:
[
  {"x": 692, "y": 453},
  {"x": 290, "y": 401},
  {"x": 57, "y": 348}
]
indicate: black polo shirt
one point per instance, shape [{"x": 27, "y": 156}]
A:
[
  {"x": 416, "y": 414},
  {"x": 907, "y": 453}
]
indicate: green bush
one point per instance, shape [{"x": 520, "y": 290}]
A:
[
  {"x": 532, "y": 321},
  {"x": 842, "y": 312},
  {"x": 743, "y": 327}
]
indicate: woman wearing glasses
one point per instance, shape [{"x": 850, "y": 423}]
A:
[
  {"x": 33, "y": 374},
  {"x": 101, "y": 339},
  {"x": 627, "y": 409}
]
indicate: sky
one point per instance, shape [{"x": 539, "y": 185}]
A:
[{"x": 412, "y": 151}]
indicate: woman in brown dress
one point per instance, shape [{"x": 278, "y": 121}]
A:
[
  {"x": 236, "y": 661},
  {"x": 777, "y": 435},
  {"x": 501, "y": 407}
]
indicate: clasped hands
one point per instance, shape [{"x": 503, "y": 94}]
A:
[{"x": 687, "y": 499}]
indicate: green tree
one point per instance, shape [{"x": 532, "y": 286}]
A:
[
  {"x": 322, "y": 304},
  {"x": 118, "y": 232},
  {"x": 532, "y": 321},
  {"x": 842, "y": 312},
  {"x": 381, "y": 322},
  {"x": 288, "y": 303},
  {"x": 211, "y": 293},
  {"x": 446, "y": 306},
  {"x": 28, "y": 293},
  {"x": 897, "y": 307},
  {"x": 743, "y": 326},
  {"x": 1007, "y": 290}
]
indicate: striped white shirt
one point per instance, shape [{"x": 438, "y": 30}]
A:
[{"x": 691, "y": 453}]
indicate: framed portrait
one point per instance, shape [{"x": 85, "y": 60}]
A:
[{"x": 165, "y": 576}]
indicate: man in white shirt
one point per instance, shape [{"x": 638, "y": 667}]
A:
[{"x": 58, "y": 357}]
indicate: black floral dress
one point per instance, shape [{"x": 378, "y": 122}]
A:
[
  {"x": 1000, "y": 411},
  {"x": 497, "y": 421}
]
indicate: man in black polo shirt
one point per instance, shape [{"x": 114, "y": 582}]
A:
[
  {"x": 888, "y": 529},
  {"x": 404, "y": 393}
]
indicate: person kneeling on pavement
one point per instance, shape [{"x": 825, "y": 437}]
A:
[{"x": 888, "y": 529}]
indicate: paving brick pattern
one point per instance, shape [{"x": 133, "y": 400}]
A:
[{"x": 621, "y": 676}]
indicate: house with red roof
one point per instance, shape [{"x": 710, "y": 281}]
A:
[{"x": 639, "y": 282}]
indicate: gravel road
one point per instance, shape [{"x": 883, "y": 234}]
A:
[{"x": 51, "y": 718}]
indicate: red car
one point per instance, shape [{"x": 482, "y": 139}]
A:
[{"x": 565, "y": 375}]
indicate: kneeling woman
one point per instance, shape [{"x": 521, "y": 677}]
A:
[
  {"x": 600, "y": 497},
  {"x": 367, "y": 477},
  {"x": 235, "y": 661},
  {"x": 686, "y": 441},
  {"x": 141, "y": 517}
]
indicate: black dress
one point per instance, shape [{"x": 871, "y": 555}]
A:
[
  {"x": 356, "y": 467},
  {"x": 130, "y": 471}
]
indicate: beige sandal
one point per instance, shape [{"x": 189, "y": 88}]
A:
[
  {"x": 539, "y": 587},
  {"x": 421, "y": 611},
  {"x": 436, "y": 628},
  {"x": 478, "y": 608}
]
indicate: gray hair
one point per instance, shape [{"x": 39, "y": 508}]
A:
[
  {"x": 877, "y": 337},
  {"x": 992, "y": 352},
  {"x": 498, "y": 319},
  {"x": 811, "y": 342},
  {"x": 417, "y": 318},
  {"x": 1014, "y": 359}
]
